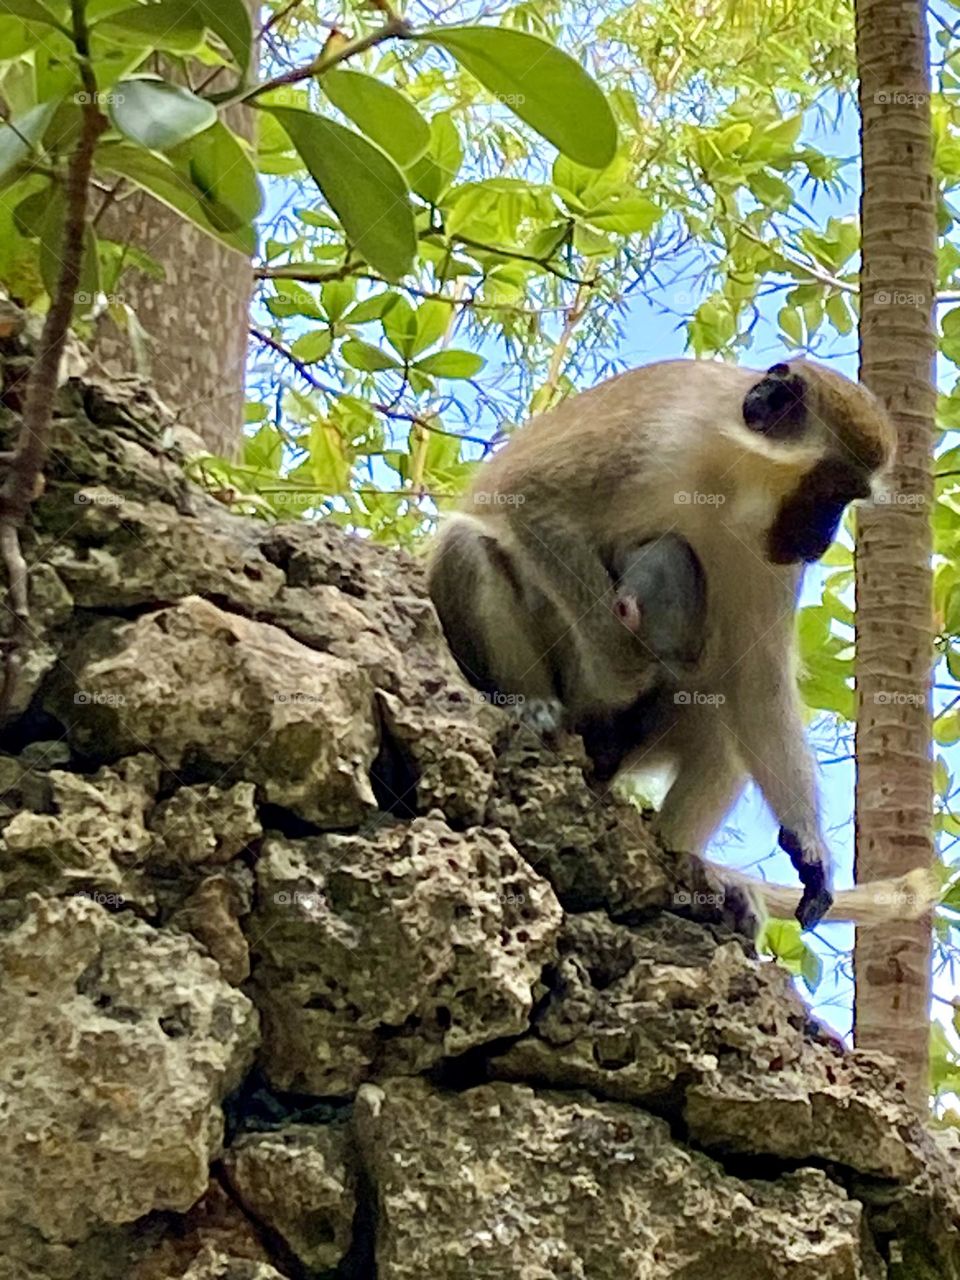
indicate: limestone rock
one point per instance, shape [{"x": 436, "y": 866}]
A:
[
  {"x": 301, "y": 1182},
  {"x": 634, "y": 1011},
  {"x": 91, "y": 837},
  {"x": 499, "y": 1183},
  {"x": 212, "y": 914},
  {"x": 204, "y": 825},
  {"x": 121, "y": 1041},
  {"x": 393, "y": 950},
  {"x": 193, "y": 683}
]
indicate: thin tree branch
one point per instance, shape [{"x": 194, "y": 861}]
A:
[
  {"x": 395, "y": 28},
  {"x": 388, "y": 411},
  {"x": 24, "y": 479}
]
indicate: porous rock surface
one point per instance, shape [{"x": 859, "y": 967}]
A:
[{"x": 314, "y": 965}]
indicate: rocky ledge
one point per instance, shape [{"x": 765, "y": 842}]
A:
[{"x": 314, "y": 965}]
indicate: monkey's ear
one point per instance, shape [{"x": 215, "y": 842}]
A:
[{"x": 776, "y": 406}]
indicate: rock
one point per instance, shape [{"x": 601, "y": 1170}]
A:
[
  {"x": 391, "y": 951},
  {"x": 212, "y": 914},
  {"x": 140, "y": 553},
  {"x": 215, "y": 1227},
  {"x": 662, "y": 1010},
  {"x": 91, "y": 840},
  {"x": 121, "y": 1042},
  {"x": 595, "y": 853},
  {"x": 193, "y": 683},
  {"x": 211, "y": 1264},
  {"x": 300, "y": 1182},
  {"x": 204, "y": 825},
  {"x": 499, "y": 1182}
]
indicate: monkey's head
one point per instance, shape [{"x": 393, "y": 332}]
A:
[{"x": 835, "y": 435}]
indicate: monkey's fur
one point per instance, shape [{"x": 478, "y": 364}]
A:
[{"x": 750, "y": 472}]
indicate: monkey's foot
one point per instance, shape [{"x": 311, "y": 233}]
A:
[
  {"x": 817, "y": 898},
  {"x": 543, "y": 716}
]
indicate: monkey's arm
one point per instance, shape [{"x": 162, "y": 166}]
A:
[
  {"x": 762, "y": 712},
  {"x": 602, "y": 663}
]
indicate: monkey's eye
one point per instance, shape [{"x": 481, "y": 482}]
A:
[{"x": 776, "y": 405}]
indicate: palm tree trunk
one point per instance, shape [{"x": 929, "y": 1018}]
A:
[{"x": 894, "y": 545}]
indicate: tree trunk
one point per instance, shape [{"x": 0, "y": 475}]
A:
[
  {"x": 894, "y": 545},
  {"x": 196, "y": 317}
]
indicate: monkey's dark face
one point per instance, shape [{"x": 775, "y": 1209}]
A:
[
  {"x": 778, "y": 406},
  {"x": 807, "y": 521}
]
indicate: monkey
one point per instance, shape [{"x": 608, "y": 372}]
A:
[
  {"x": 660, "y": 596},
  {"x": 752, "y": 471}
]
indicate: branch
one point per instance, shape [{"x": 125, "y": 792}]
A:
[
  {"x": 303, "y": 275},
  {"x": 395, "y": 28},
  {"x": 388, "y": 411},
  {"x": 24, "y": 479}
]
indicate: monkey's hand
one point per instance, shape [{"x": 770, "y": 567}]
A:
[
  {"x": 543, "y": 716},
  {"x": 810, "y": 866}
]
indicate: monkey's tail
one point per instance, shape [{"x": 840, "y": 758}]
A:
[{"x": 906, "y": 897}]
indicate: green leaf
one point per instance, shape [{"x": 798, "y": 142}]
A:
[
  {"x": 264, "y": 451},
  {"x": 379, "y": 111},
  {"x": 545, "y": 87},
  {"x": 158, "y": 115},
  {"x": 400, "y": 326},
  {"x": 313, "y": 346},
  {"x": 631, "y": 215},
  {"x": 171, "y": 24},
  {"x": 811, "y": 968},
  {"x": 363, "y": 186},
  {"x": 292, "y": 299},
  {"x": 337, "y": 295},
  {"x": 433, "y": 318},
  {"x": 51, "y": 256},
  {"x": 374, "y": 308},
  {"x": 433, "y": 173},
  {"x": 452, "y": 363},
  {"x": 173, "y": 188},
  {"x": 365, "y": 356},
  {"x": 19, "y": 139},
  {"x": 789, "y": 320},
  {"x": 230, "y": 20},
  {"x": 31, "y": 11},
  {"x": 219, "y": 166},
  {"x": 782, "y": 939},
  {"x": 30, "y": 212}
]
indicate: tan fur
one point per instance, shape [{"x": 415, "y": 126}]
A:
[{"x": 520, "y": 575}]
